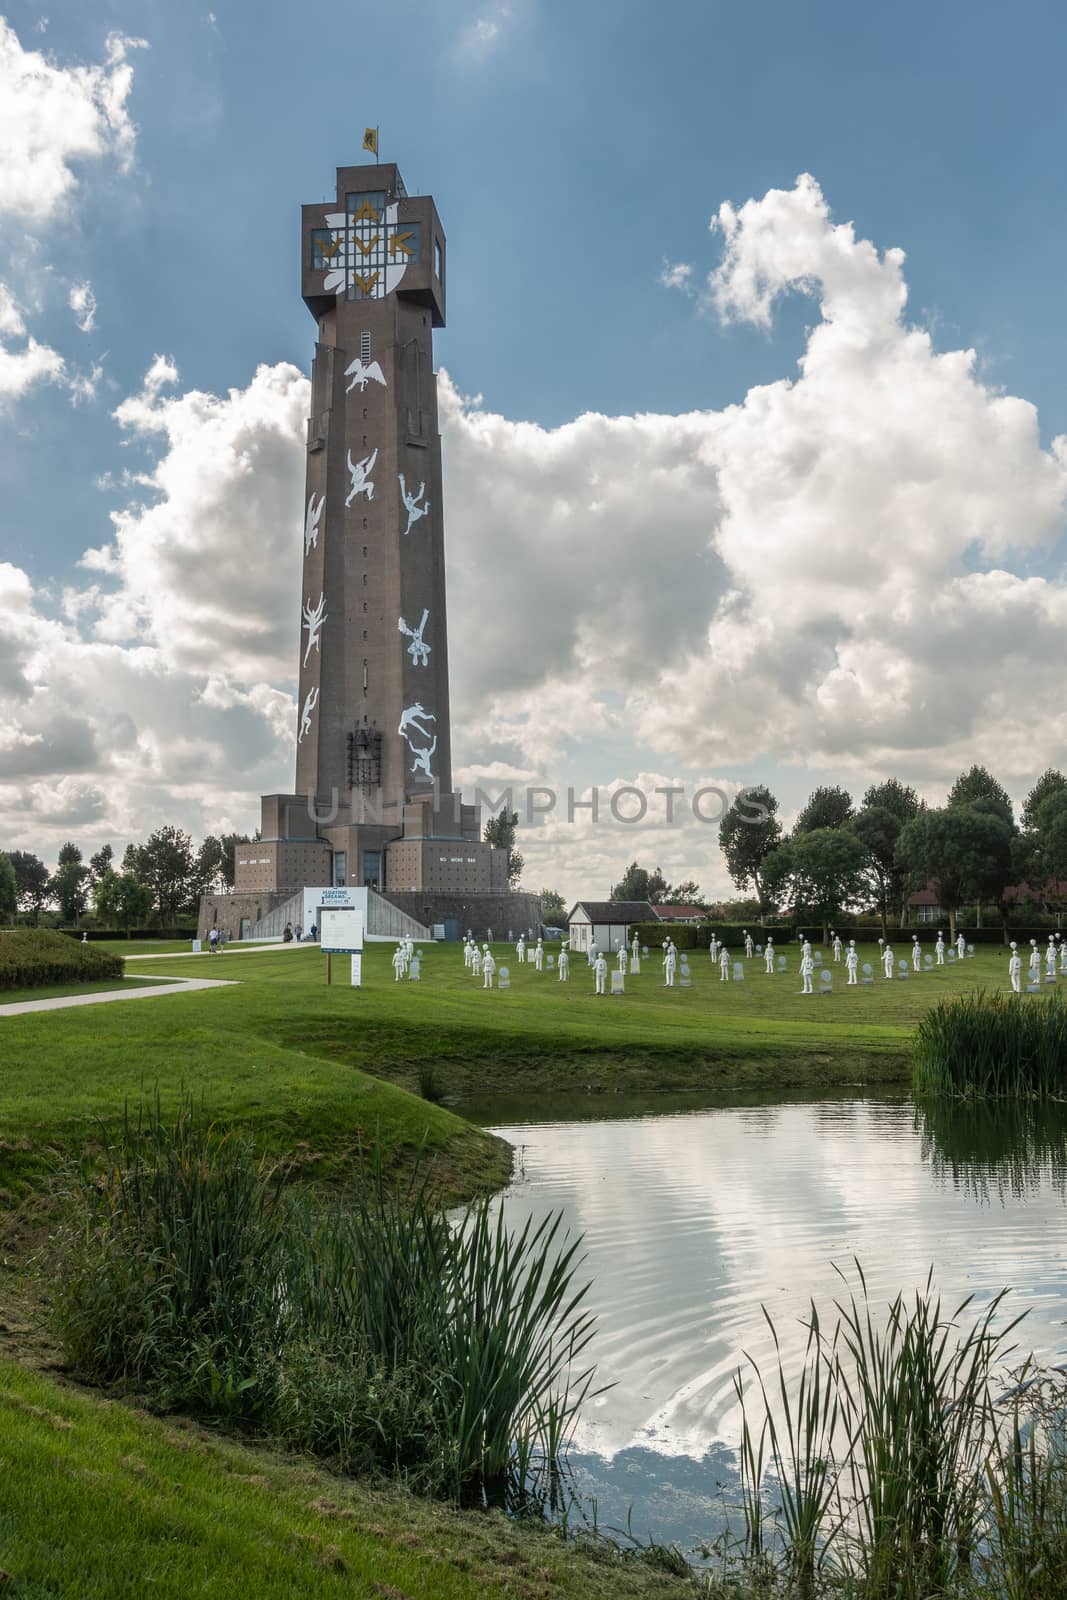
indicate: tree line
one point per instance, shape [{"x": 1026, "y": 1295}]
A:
[
  {"x": 160, "y": 880},
  {"x": 840, "y": 857}
]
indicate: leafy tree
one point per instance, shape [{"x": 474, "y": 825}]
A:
[
  {"x": 637, "y": 883},
  {"x": 878, "y": 829},
  {"x": 553, "y": 910},
  {"x": 215, "y": 862},
  {"x": 1050, "y": 782},
  {"x": 8, "y": 888},
  {"x": 121, "y": 899},
  {"x": 500, "y": 832},
  {"x": 32, "y": 882},
  {"x": 70, "y": 884},
  {"x": 686, "y": 893},
  {"x": 748, "y": 833},
  {"x": 100, "y": 863},
  {"x": 892, "y": 795},
  {"x": 962, "y": 850},
  {"x": 166, "y": 865},
  {"x": 1042, "y": 853},
  {"x": 979, "y": 787},
  {"x": 827, "y": 807},
  {"x": 819, "y": 873}
]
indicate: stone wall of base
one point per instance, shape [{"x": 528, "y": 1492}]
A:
[
  {"x": 497, "y": 916},
  {"x": 227, "y": 911}
]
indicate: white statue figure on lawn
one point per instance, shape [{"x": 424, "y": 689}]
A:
[
  {"x": 488, "y": 967},
  {"x": 476, "y": 962},
  {"x": 939, "y": 949},
  {"x": 593, "y": 953},
  {"x": 750, "y": 944},
  {"x": 838, "y": 947},
  {"x": 411, "y": 502},
  {"x": 305, "y": 716},
  {"x": 852, "y": 961},
  {"x": 916, "y": 953},
  {"x": 314, "y": 621},
  {"x": 311, "y": 523},
  {"x": 418, "y": 649},
  {"x": 1015, "y": 968},
  {"x": 1050, "y": 958},
  {"x": 961, "y": 946},
  {"x": 887, "y": 959},
  {"x": 539, "y": 956},
  {"x": 399, "y": 963},
  {"x": 564, "y": 963},
  {"x": 669, "y": 966},
  {"x": 622, "y": 960},
  {"x": 600, "y": 969},
  {"x": 467, "y": 951},
  {"x": 635, "y": 947},
  {"x": 520, "y": 951},
  {"x": 805, "y": 949},
  {"x": 1035, "y": 962},
  {"x": 768, "y": 957},
  {"x": 1063, "y": 954},
  {"x": 359, "y": 472},
  {"x": 724, "y": 965},
  {"x": 361, "y": 375},
  {"x": 807, "y": 968},
  {"x": 713, "y": 947}
]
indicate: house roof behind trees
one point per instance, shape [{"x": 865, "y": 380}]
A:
[{"x": 614, "y": 911}]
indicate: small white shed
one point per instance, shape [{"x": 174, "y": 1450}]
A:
[{"x": 605, "y": 923}]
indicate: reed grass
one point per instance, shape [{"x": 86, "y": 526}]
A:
[
  {"x": 992, "y": 1044},
  {"x": 379, "y": 1335},
  {"x": 893, "y": 1468}
]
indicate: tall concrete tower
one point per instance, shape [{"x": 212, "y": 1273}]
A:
[{"x": 373, "y": 804}]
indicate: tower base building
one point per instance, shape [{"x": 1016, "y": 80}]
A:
[{"x": 373, "y": 805}]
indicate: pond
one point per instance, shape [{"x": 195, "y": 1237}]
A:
[{"x": 697, "y": 1217}]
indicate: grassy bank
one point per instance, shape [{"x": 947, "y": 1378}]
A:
[
  {"x": 306, "y": 1068},
  {"x": 99, "y": 1501}
]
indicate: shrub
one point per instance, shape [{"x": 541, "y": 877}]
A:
[
  {"x": 32, "y": 957},
  {"x": 985, "y": 1044},
  {"x": 382, "y": 1336}
]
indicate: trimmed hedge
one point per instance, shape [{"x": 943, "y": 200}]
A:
[
  {"x": 30, "y": 958},
  {"x": 927, "y": 931},
  {"x": 697, "y": 935},
  {"x": 134, "y": 933}
]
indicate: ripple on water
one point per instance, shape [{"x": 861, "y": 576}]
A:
[{"x": 694, "y": 1222}]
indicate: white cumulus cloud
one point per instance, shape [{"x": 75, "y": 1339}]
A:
[{"x": 82, "y": 302}]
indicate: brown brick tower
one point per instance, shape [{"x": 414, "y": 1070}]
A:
[{"x": 373, "y": 804}]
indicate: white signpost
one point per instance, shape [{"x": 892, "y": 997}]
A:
[{"x": 341, "y": 934}]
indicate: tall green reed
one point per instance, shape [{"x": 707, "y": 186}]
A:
[{"x": 991, "y": 1044}]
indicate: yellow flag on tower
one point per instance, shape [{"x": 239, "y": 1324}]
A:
[{"x": 370, "y": 140}]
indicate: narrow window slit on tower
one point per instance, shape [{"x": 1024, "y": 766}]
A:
[{"x": 364, "y": 349}]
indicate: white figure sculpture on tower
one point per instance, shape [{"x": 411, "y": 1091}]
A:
[
  {"x": 311, "y": 523},
  {"x": 420, "y": 740},
  {"x": 852, "y": 961},
  {"x": 1015, "y": 968},
  {"x": 488, "y": 967},
  {"x": 360, "y": 472},
  {"x": 768, "y": 957},
  {"x": 600, "y": 969},
  {"x": 807, "y": 968},
  {"x": 411, "y": 502},
  {"x": 564, "y": 963},
  {"x": 887, "y": 959},
  {"x": 836, "y": 937},
  {"x": 305, "y": 716},
  {"x": 314, "y": 619},
  {"x": 520, "y": 951},
  {"x": 916, "y": 953},
  {"x": 724, "y": 965},
  {"x": 939, "y": 949},
  {"x": 418, "y": 649},
  {"x": 362, "y": 375}
]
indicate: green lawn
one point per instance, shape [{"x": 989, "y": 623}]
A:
[
  {"x": 101, "y": 1502},
  {"x": 301, "y": 1064}
]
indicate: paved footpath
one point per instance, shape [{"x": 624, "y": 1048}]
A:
[
  {"x": 231, "y": 950},
  {"x": 172, "y": 986}
]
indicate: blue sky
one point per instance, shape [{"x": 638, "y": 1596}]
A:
[{"x": 572, "y": 151}]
